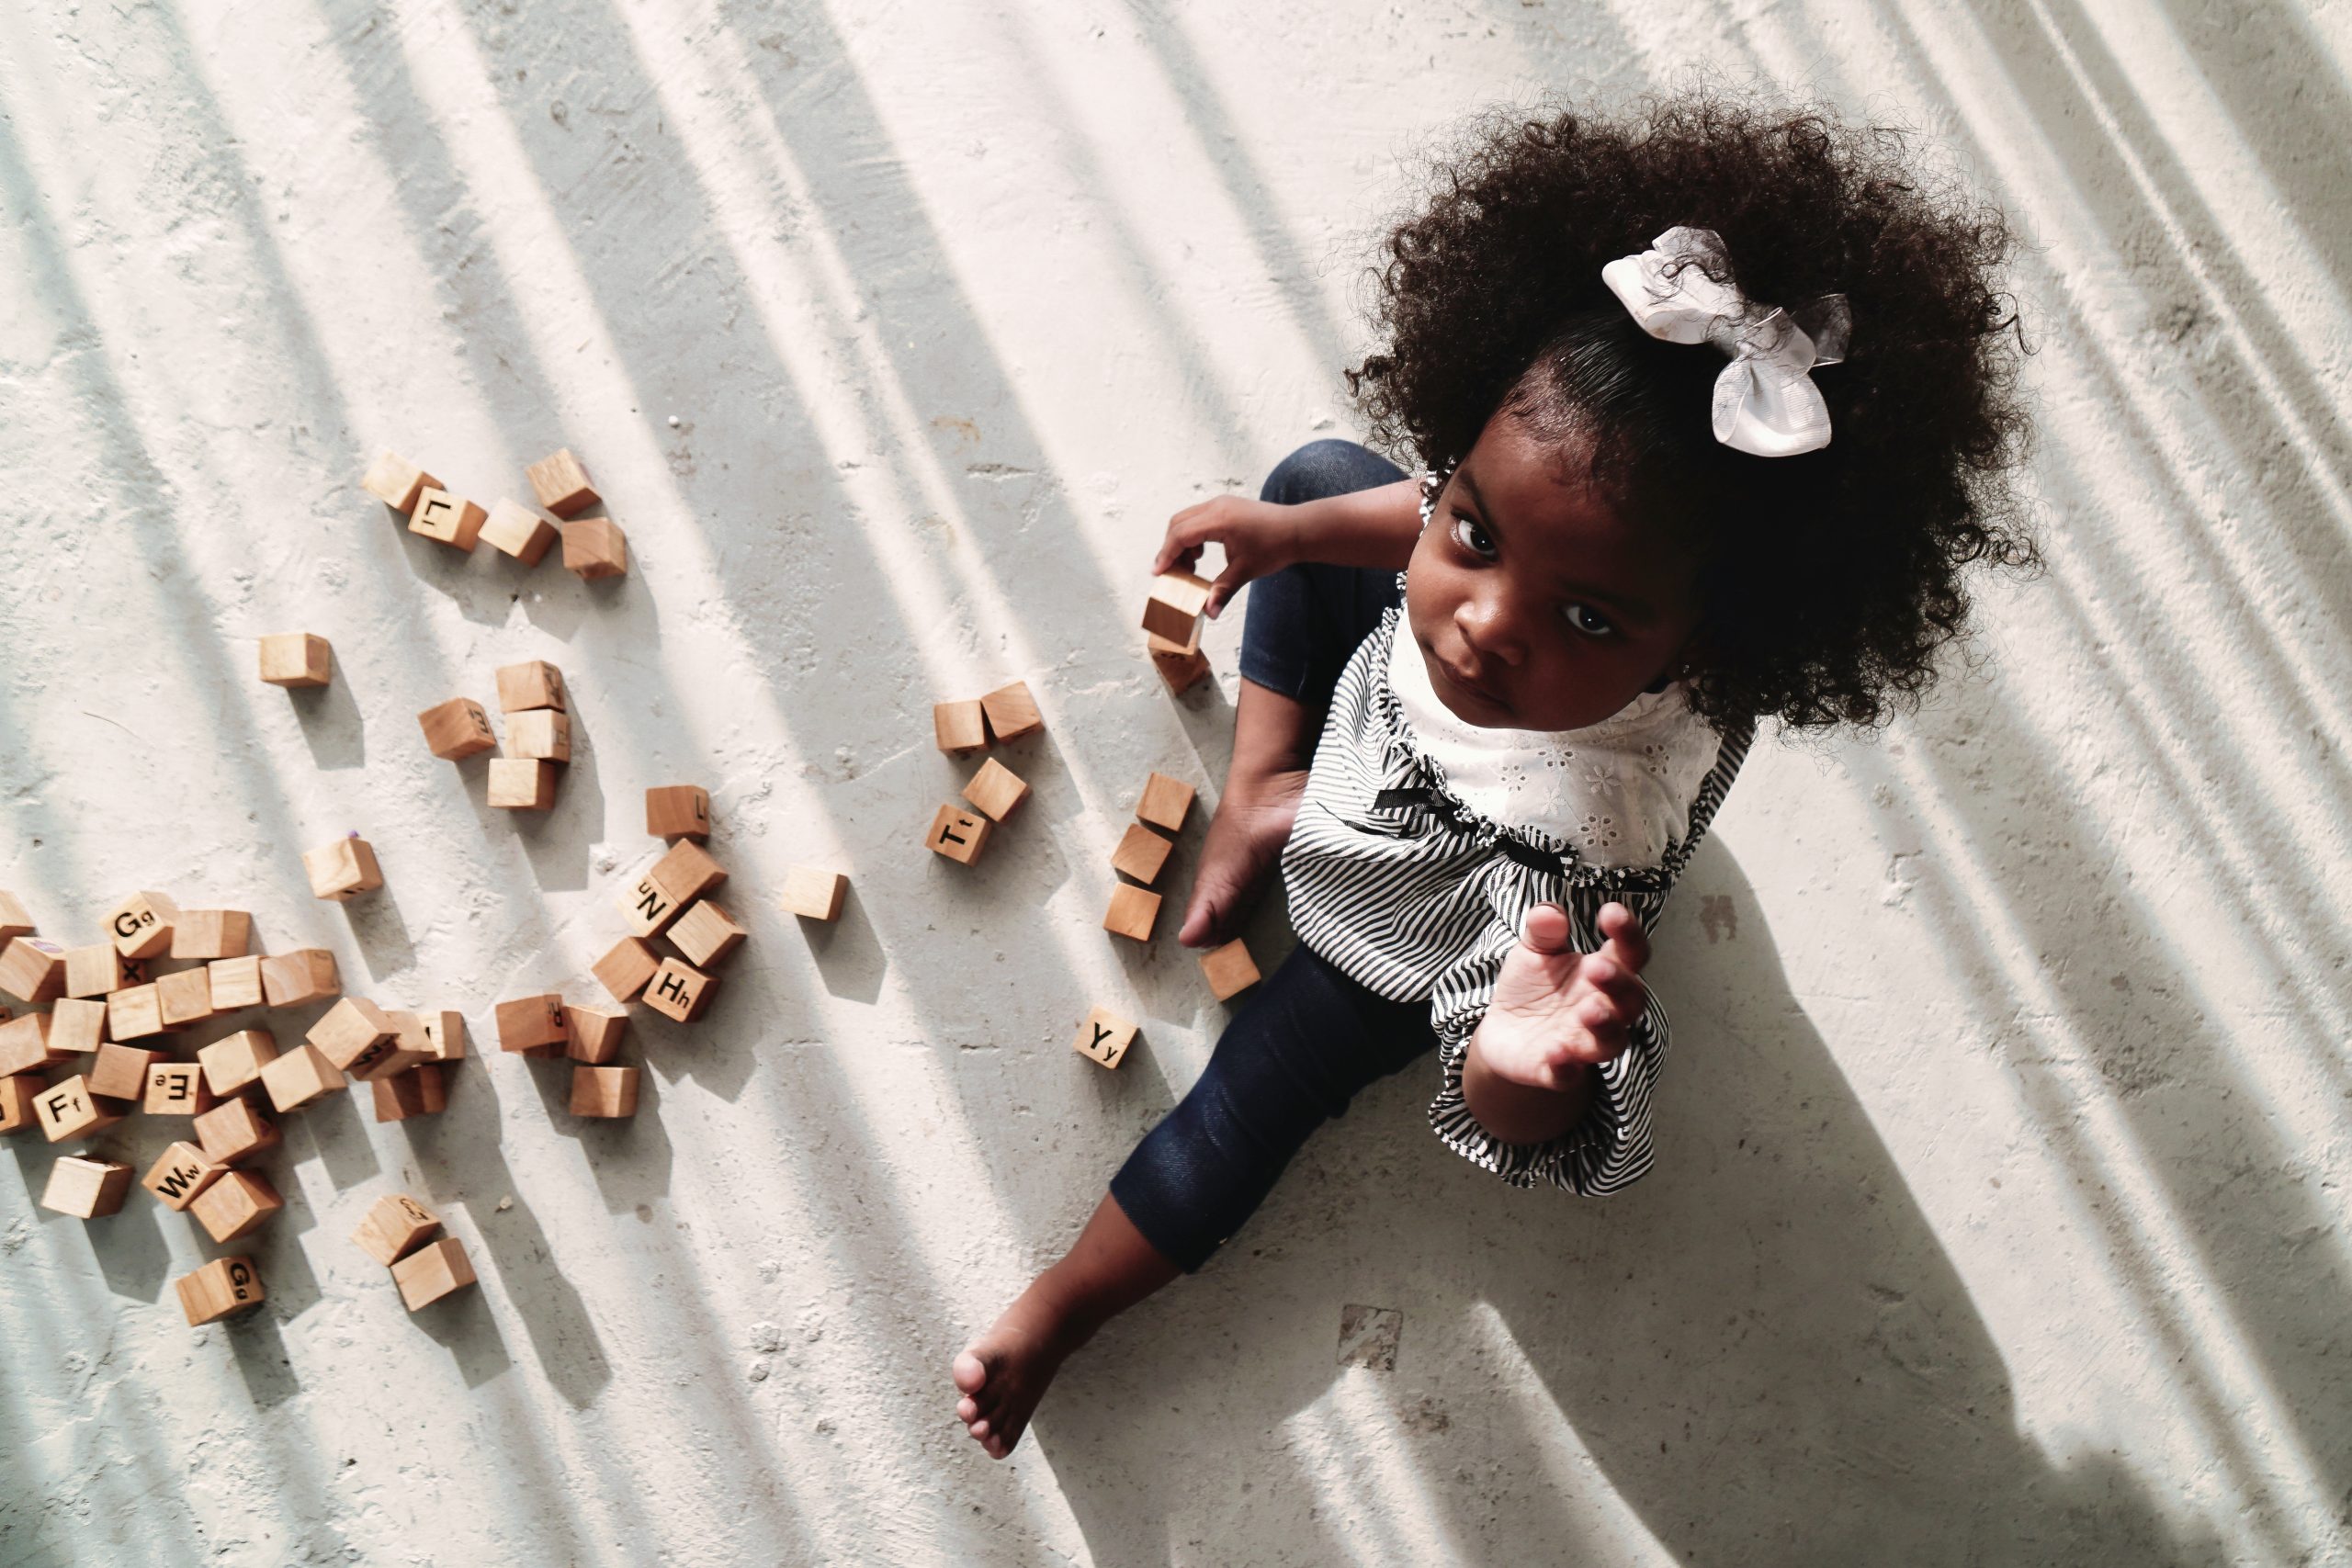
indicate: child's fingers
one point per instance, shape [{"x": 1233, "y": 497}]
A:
[
  {"x": 1622, "y": 931},
  {"x": 1618, "y": 986},
  {"x": 1546, "y": 928}
]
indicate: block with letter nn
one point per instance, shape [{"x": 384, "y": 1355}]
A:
[
  {"x": 141, "y": 926},
  {"x": 959, "y": 835},
  {"x": 518, "y": 531},
  {"x": 395, "y": 1225},
  {"x": 234, "y": 1129},
  {"x": 356, "y": 1036},
  {"x": 343, "y": 869},
  {"x": 603, "y": 1091},
  {"x": 223, "y": 1287},
  {"x": 1104, "y": 1037},
  {"x": 85, "y": 1188},
  {"x": 68, "y": 1110},
  {"x": 648, "y": 908},
  {"x": 679, "y": 992},
  {"x": 536, "y": 1024},
  {"x": 397, "y": 482},
  {"x": 238, "y": 1203},
  {"x": 432, "y": 1271},
  {"x": 423, "y": 1090},
  {"x": 297, "y": 659},
  {"x": 181, "y": 1172},
  {"x": 678, "y": 811},
  {"x": 456, "y": 729},
  {"x": 813, "y": 894},
  {"x": 447, "y": 519},
  {"x": 33, "y": 970},
  {"x": 305, "y": 974},
  {"x": 625, "y": 971},
  {"x": 176, "y": 1089}
]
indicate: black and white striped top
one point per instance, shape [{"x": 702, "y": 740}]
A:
[{"x": 1411, "y": 893}]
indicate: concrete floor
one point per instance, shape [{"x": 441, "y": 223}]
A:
[{"x": 1999, "y": 1210}]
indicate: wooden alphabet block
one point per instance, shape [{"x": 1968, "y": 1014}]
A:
[
  {"x": 95, "y": 970},
  {"x": 595, "y": 548},
  {"x": 522, "y": 783},
  {"x": 185, "y": 996},
  {"x": 561, "y": 484},
  {"x": 445, "y": 1034},
  {"x": 120, "y": 1072},
  {"x": 411, "y": 1045},
  {"x": 14, "y": 919},
  {"x": 356, "y": 1034},
  {"x": 30, "y": 1044},
  {"x": 687, "y": 872},
  {"x": 625, "y": 970},
  {"x": 141, "y": 927},
  {"x": 297, "y": 659},
  {"x": 996, "y": 789},
  {"x": 17, "y": 1093},
  {"x": 596, "y": 1033},
  {"x": 706, "y": 934},
  {"x": 1104, "y": 1037},
  {"x": 958, "y": 835},
  {"x": 397, "y": 482},
  {"x": 1141, "y": 853},
  {"x": 680, "y": 991},
  {"x": 33, "y": 970},
  {"x": 234, "y": 1065},
  {"x": 85, "y": 1188},
  {"x": 396, "y": 1225},
  {"x": 542, "y": 733},
  {"x": 447, "y": 519},
  {"x": 678, "y": 811},
  {"x": 180, "y": 1173},
  {"x": 650, "y": 910},
  {"x": 305, "y": 974},
  {"x": 603, "y": 1091},
  {"x": 959, "y": 727},
  {"x": 518, "y": 531},
  {"x": 76, "y": 1024},
  {"x": 813, "y": 894},
  {"x": 1173, "y": 610},
  {"x": 236, "y": 983},
  {"x": 1182, "y": 668},
  {"x": 1012, "y": 712},
  {"x": 533, "y": 683},
  {"x": 234, "y": 1129},
  {"x": 238, "y": 1203},
  {"x": 1230, "y": 970},
  {"x": 456, "y": 729},
  {"x": 1132, "y": 913},
  {"x": 300, "y": 1077},
  {"x": 68, "y": 1110},
  {"x": 343, "y": 869},
  {"x": 223, "y": 1287},
  {"x": 175, "y": 1088},
  {"x": 530, "y": 1021},
  {"x": 213, "y": 933},
  {"x": 431, "y": 1272},
  {"x": 1165, "y": 802},
  {"x": 420, "y": 1091}
]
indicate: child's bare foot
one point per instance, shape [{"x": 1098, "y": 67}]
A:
[
  {"x": 1005, "y": 1372},
  {"x": 1252, "y": 823}
]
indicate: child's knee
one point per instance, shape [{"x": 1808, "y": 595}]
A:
[{"x": 1327, "y": 467}]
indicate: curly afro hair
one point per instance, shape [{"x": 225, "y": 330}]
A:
[{"x": 1829, "y": 580}]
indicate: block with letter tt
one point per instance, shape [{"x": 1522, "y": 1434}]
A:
[
  {"x": 396, "y": 1225},
  {"x": 1104, "y": 1037},
  {"x": 958, "y": 835},
  {"x": 814, "y": 894},
  {"x": 223, "y": 1287},
  {"x": 297, "y": 659},
  {"x": 343, "y": 869},
  {"x": 679, "y": 992},
  {"x": 456, "y": 729}
]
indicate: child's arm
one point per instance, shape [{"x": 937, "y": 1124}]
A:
[
  {"x": 1366, "y": 527},
  {"x": 1556, "y": 1014}
]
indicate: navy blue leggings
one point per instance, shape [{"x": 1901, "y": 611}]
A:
[{"x": 1307, "y": 1037}]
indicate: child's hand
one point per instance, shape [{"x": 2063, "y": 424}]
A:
[
  {"x": 1259, "y": 537},
  {"x": 1556, "y": 1011}
]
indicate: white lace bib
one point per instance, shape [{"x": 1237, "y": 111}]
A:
[{"x": 1619, "y": 791}]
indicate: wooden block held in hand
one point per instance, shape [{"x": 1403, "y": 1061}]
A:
[
  {"x": 68, "y": 1110},
  {"x": 297, "y": 659},
  {"x": 595, "y": 549},
  {"x": 234, "y": 1065},
  {"x": 522, "y": 783},
  {"x": 233, "y": 1129},
  {"x": 561, "y": 484},
  {"x": 238, "y": 1203},
  {"x": 223, "y": 1287},
  {"x": 596, "y": 1033},
  {"x": 1173, "y": 610},
  {"x": 1229, "y": 969},
  {"x": 85, "y": 1188},
  {"x": 175, "y": 1088},
  {"x": 678, "y": 811},
  {"x": 305, "y": 974},
  {"x": 213, "y": 933},
  {"x": 1141, "y": 853},
  {"x": 431, "y": 1272},
  {"x": 30, "y": 1044},
  {"x": 300, "y": 1077},
  {"x": 141, "y": 927},
  {"x": 603, "y": 1091},
  {"x": 687, "y": 872},
  {"x": 17, "y": 1093},
  {"x": 533, "y": 683},
  {"x": 356, "y": 1034},
  {"x": 813, "y": 894},
  {"x": 422, "y": 1090},
  {"x": 1164, "y": 803},
  {"x": 180, "y": 1173},
  {"x": 527, "y": 1022},
  {"x": 959, "y": 727},
  {"x": 456, "y": 729},
  {"x": 625, "y": 970},
  {"x": 343, "y": 869},
  {"x": 706, "y": 934},
  {"x": 996, "y": 789},
  {"x": 95, "y": 970},
  {"x": 120, "y": 1072},
  {"x": 396, "y": 1225},
  {"x": 958, "y": 835},
  {"x": 397, "y": 482},
  {"x": 679, "y": 992},
  {"x": 517, "y": 530},
  {"x": 1104, "y": 1037},
  {"x": 75, "y": 1025},
  {"x": 1012, "y": 712},
  {"x": 544, "y": 734},
  {"x": 236, "y": 983},
  {"x": 185, "y": 996},
  {"x": 33, "y": 970},
  {"x": 1132, "y": 913}
]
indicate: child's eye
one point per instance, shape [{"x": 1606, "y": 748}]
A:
[
  {"x": 1587, "y": 619},
  {"x": 1471, "y": 538}
]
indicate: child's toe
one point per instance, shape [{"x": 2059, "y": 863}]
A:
[{"x": 969, "y": 1372}]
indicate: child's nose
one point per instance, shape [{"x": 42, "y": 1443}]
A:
[{"x": 1489, "y": 627}]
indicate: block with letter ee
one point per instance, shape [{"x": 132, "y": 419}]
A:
[
  {"x": 535, "y": 1023},
  {"x": 431, "y": 1272},
  {"x": 85, "y": 1188},
  {"x": 297, "y": 659},
  {"x": 957, "y": 834},
  {"x": 680, "y": 991},
  {"x": 522, "y": 783},
  {"x": 300, "y": 1077},
  {"x": 397, "y": 482},
  {"x": 533, "y": 683},
  {"x": 343, "y": 869},
  {"x": 238, "y": 1203},
  {"x": 812, "y": 894},
  {"x": 305, "y": 974},
  {"x": 176, "y": 1089},
  {"x": 603, "y": 1091},
  {"x": 678, "y": 811},
  {"x": 1132, "y": 913},
  {"x": 234, "y": 1129},
  {"x": 456, "y": 729},
  {"x": 223, "y": 1287},
  {"x": 1104, "y": 1037},
  {"x": 595, "y": 549},
  {"x": 68, "y": 1110},
  {"x": 561, "y": 484},
  {"x": 1012, "y": 712},
  {"x": 447, "y": 519},
  {"x": 625, "y": 970},
  {"x": 422, "y": 1090},
  {"x": 996, "y": 789},
  {"x": 181, "y": 1172},
  {"x": 517, "y": 530},
  {"x": 1173, "y": 609},
  {"x": 396, "y": 1225}
]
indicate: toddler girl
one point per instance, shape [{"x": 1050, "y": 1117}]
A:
[{"x": 1714, "y": 406}]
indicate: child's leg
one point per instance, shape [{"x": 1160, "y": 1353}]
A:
[
  {"x": 1303, "y": 623},
  {"x": 1293, "y": 1057}
]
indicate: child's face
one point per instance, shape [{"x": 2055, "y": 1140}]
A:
[{"x": 1534, "y": 603}]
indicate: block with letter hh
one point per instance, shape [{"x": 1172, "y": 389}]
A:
[
  {"x": 544, "y": 734},
  {"x": 343, "y": 869},
  {"x": 431, "y": 1272},
  {"x": 1141, "y": 853},
  {"x": 596, "y": 1033},
  {"x": 996, "y": 789},
  {"x": 687, "y": 872},
  {"x": 959, "y": 835},
  {"x": 813, "y": 894},
  {"x": 234, "y": 1065},
  {"x": 1173, "y": 610},
  {"x": 85, "y": 1188},
  {"x": 95, "y": 970},
  {"x": 1166, "y": 802},
  {"x": 236, "y": 983},
  {"x": 625, "y": 970},
  {"x": 356, "y": 1034},
  {"x": 135, "y": 1013},
  {"x": 180, "y": 1173},
  {"x": 529, "y": 1023},
  {"x": 447, "y": 519},
  {"x": 1012, "y": 712},
  {"x": 397, "y": 482},
  {"x": 213, "y": 933},
  {"x": 1132, "y": 913},
  {"x": 176, "y": 1089},
  {"x": 1229, "y": 969},
  {"x": 680, "y": 991},
  {"x": 518, "y": 531},
  {"x": 120, "y": 1072},
  {"x": 423, "y": 1090},
  {"x": 15, "y": 921},
  {"x": 533, "y": 683},
  {"x": 238, "y": 1203},
  {"x": 445, "y": 1034},
  {"x": 561, "y": 484},
  {"x": 522, "y": 783},
  {"x": 300, "y": 1077},
  {"x": 141, "y": 926},
  {"x": 68, "y": 1110},
  {"x": 960, "y": 726},
  {"x": 594, "y": 548},
  {"x": 17, "y": 1093},
  {"x": 603, "y": 1091},
  {"x": 706, "y": 934},
  {"x": 396, "y": 1225},
  {"x": 223, "y": 1287},
  {"x": 1104, "y": 1037},
  {"x": 297, "y": 659},
  {"x": 77, "y": 1024},
  {"x": 678, "y": 811},
  {"x": 185, "y": 996},
  {"x": 305, "y": 974},
  {"x": 33, "y": 970},
  {"x": 456, "y": 729},
  {"x": 30, "y": 1044},
  {"x": 234, "y": 1129}
]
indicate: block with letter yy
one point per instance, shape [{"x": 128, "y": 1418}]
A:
[
  {"x": 561, "y": 484},
  {"x": 181, "y": 1172},
  {"x": 76, "y": 1025},
  {"x": 297, "y": 659},
  {"x": 959, "y": 835},
  {"x": 397, "y": 482},
  {"x": 95, "y": 970},
  {"x": 30, "y": 1044},
  {"x": 1173, "y": 609},
  {"x": 343, "y": 869},
  {"x": 1132, "y": 913},
  {"x": 356, "y": 1034},
  {"x": 529, "y": 1023},
  {"x": 223, "y": 1287},
  {"x": 447, "y": 519},
  {"x": 234, "y": 1129},
  {"x": 17, "y": 1093},
  {"x": 456, "y": 729},
  {"x": 596, "y": 1033},
  {"x": 1102, "y": 1037},
  {"x": 595, "y": 549},
  {"x": 213, "y": 933},
  {"x": 431, "y": 1272},
  {"x": 85, "y": 1188},
  {"x": 233, "y": 1064},
  {"x": 996, "y": 789},
  {"x": 532, "y": 683},
  {"x": 238, "y": 1203},
  {"x": 15, "y": 920},
  {"x": 706, "y": 934},
  {"x": 544, "y": 734},
  {"x": 422, "y": 1090},
  {"x": 623, "y": 971},
  {"x": 678, "y": 811},
  {"x": 300, "y": 1077},
  {"x": 236, "y": 983},
  {"x": 68, "y": 1110},
  {"x": 517, "y": 530},
  {"x": 141, "y": 926},
  {"x": 395, "y": 1225},
  {"x": 1229, "y": 969},
  {"x": 680, "y": 991},
  {"x": 175, "y": 1088},
  {"x": 603, "y": 1091},
  {"x": 33, "y": 970},
  {"x": 120, "y": 1072},
  {"x": 813, "y": 894},
  {"x": 305, "y": 974},
  {"x": 445, "y": 1034},
  {"x": 1012, "y": 712},
  {"x": 522, "y": 783},
  {"x": 1141, "y": 853},
  {"x": 1166, "y": 802},
  {"x": 184, "y": 997},
  {"x": 687, "y": 872}
]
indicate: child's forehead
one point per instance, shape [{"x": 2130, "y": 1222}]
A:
[{"x": 1536, "y": 491}]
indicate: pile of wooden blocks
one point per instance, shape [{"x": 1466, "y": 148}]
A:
[
  {"x": 399, "y": 1234},
  {"x": 592, "y": 545},
  {"x": 1141, "y": 852},
  {"x": 538, "y": 734},
  {"x": 1172, "y": 623},
  {"x": 994, "y": 792}
]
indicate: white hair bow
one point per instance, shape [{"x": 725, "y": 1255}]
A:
[{"x": 1765, "y": 399}]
